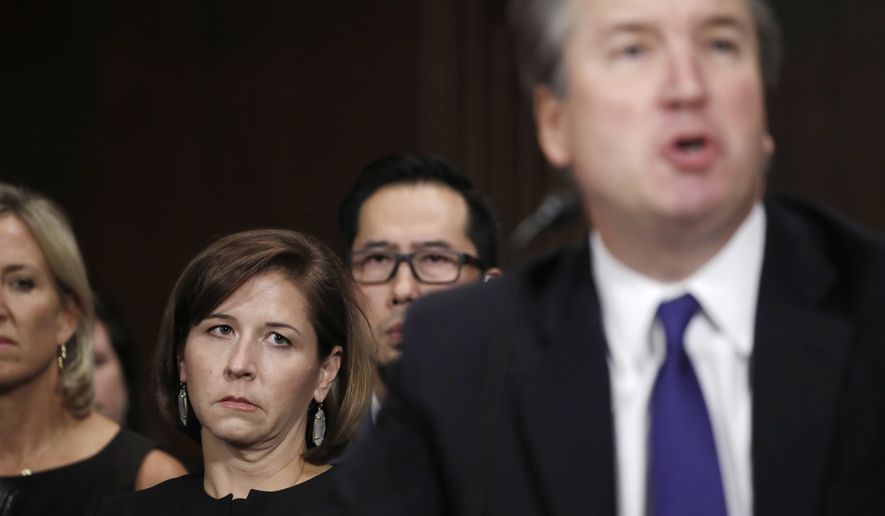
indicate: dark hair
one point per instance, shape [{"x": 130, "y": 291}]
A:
[
  {"x": 482, "y": 221},
  {"x": 123, "y": 344},
  {"x": 222, "y": 268},
  {"x": 542, "y": 28}
]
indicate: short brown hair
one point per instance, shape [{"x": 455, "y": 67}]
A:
[
  {"x": 50, "y": 228},
  {"x": 222, "y": 268}
]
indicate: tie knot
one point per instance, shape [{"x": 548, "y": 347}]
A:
[{"x": 675, "y": 315}]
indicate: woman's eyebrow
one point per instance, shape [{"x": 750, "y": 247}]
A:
[{"x": 282, "y": 325}]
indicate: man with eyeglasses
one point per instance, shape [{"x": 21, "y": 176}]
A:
[{"x": 414, "y": 225}]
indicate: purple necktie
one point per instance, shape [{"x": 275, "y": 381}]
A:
[{"x": 684, "y": 478}]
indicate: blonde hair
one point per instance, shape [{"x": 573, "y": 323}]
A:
[{"x": 50, "y": 228}]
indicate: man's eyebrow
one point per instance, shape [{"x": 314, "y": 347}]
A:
[
  {"x": 628, "y": 26},
  {"x": 377, "y": 244},
  {"x": 728, "y": 21}
]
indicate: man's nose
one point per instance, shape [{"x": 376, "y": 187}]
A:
[
  {"x": 241, "y": 360},
  {"x": 685, "y": 83},
  {"x": 404, "y": 285}
]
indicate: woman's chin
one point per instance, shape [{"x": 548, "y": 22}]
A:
[{"x": 240, "y": 433}]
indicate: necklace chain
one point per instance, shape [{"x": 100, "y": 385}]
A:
[{"x": 26, "y": 472}]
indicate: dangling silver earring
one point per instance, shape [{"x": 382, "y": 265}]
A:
[
  {"x": 62, "y": 356},
  {"x": 182, "y": 404},
  {"x": 319, "y": 426}
]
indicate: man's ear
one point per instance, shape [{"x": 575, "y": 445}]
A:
[
  {"x": 768, "y": 145},
  {"x": 552, "y": 126},
  {"x": 328, "y": 372},
  {"x": 491, "y": 274}
]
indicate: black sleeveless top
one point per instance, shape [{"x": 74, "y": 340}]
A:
[
  {"x": 76, "y": 489},
  {"x": 186, "y": 496}
]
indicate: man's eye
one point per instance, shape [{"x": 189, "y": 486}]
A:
[
  {"x": 376, "y": 258},
  {"x": 437, "y": 258},
  {"x": 723, "y": 45},
  {"x": 222, "y": 330},
  {"x": 633, "y": 51}
]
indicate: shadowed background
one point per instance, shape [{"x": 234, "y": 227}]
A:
[{"x": 161, "y": 125}]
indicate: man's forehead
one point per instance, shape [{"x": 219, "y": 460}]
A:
[
  {"x": 604, "y": 13},
  {"x": 410, "y": 216},
  {"x": 414, "y": 245}
]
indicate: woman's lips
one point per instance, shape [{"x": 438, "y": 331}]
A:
[
  {"x": 6, "y": 341},
  {"x": 235, "y": 403}
]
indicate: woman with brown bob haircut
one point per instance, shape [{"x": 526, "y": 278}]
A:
[{"x": 263, "y": 358}]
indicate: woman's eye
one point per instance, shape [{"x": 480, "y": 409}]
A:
[
  {"x": 222, "y": 330},
  {"x": 278, "y": 340},
  {"x": 22, "y": 284}
]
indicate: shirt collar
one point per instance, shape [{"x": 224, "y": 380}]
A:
[{"x": 726, "y": 288}]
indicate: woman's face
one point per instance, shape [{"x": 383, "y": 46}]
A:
[
  {"x": 251, "y": 366},
  {"x": 111, "y": 392},
  {"x": 34, "y": 322}
]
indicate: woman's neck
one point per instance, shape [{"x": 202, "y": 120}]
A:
[
  {"x": 266, "y": 466},
  {"x": 32, "y": 416}
]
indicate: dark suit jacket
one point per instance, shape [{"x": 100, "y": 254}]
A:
[{"x": 817, "y": 376}]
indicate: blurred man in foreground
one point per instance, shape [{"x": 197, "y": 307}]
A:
[{"x": 706, "y": 352}]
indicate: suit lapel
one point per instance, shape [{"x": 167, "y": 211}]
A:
[
  {"x": 563, "y": 403},
  {"x": 799, "y": 359}
]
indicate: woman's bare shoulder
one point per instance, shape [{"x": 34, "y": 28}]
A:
[{"x": 158, "y": 466}]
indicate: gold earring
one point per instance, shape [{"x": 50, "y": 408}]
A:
[{"x": 62, "y": 355}]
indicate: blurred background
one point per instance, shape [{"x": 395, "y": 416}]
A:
[{"x": 162, "y": 125}]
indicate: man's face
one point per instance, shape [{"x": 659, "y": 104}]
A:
[
  {"x": 663, "y": 119},
  {"x": 405, "y": 218}
]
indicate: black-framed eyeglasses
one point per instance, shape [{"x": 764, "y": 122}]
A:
[{"x": 433, "y": 266}]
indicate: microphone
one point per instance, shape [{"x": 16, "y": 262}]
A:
[{"x": 556, "y": 210}]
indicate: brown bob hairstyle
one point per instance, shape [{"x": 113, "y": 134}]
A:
[{"x": 223, "y": 267}]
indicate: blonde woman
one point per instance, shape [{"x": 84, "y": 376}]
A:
[{"x": 57, "y": 455}]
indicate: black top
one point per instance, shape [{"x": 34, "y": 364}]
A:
[
  {"x": 186, "y": 495},
  {"x": 76, "y": 489}
]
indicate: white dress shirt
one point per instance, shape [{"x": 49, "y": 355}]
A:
[{"x": 718, "y": 340}]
